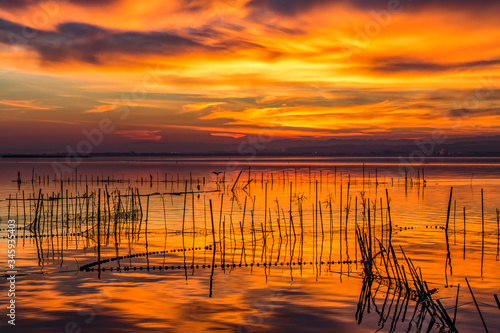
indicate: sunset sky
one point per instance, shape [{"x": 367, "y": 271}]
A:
[{"x": 221, "y": 71}]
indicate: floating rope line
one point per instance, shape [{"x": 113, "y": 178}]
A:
[
  {"x": 95, "y": 263},
  {"x": 87, "y": 268},
  {"x": 83, "y": 233},
  {"x": 17, "y": 228}
]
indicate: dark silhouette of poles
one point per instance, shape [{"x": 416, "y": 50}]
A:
[
  {"x": 482, "y": 231},
  {"x": 477, "y": 306},
  {"x": 213, "y": 256},
  {"x": 99, "y": 234},
  {"x": 448, "y": 254}
]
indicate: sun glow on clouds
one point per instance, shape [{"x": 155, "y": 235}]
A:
[
  {"x": 140, "y": 135},
  {"x": 102, "y": 108},
  {"x": 310, "y": 68},
  {"x": 199, "y": 106},
  {"x": 230, "y": 135},
  {"x": 33, "y": 105}
]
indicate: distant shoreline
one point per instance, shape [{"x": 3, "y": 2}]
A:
[
  {"x": 37, "y": 156},
  {"x": 291, "y": 155}
]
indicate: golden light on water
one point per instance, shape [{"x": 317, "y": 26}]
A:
[{"x": 290, "y": 230}]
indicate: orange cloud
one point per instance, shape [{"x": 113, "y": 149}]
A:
[
  {"x": 200, "y": 106},
  {"x": 140, "y": 135},
  {"x": 231, "y": 135},
  {"x": 270, "y": 132},
  {"x": 101, "y": 108},
  {"x": 31, "y": 104}
]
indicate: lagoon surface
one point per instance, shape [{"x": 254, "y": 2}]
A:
[{"x": 157, "y": 244}]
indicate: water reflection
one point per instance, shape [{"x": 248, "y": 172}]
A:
[{"x": 159, "y": 248}]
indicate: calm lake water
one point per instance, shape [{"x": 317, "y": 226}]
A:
[{"x": 286, "y": 255}]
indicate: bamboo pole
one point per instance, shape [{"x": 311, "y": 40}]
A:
[
  {"x": 99, "y": 234},
  {"x": 477, "y": 306}
]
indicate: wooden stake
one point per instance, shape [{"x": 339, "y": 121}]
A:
[{"x": 477, "y": 306}]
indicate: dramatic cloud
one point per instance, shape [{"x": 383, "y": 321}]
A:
[
  {"x": 287, "y": 7},
  {"x": 214, "y": 71},
  {"x": 294, "y": 7},
  {"x": 22, "y": 4},
  {"x": 91, "y": 43},
  {"x": 399, "y": 65}
]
